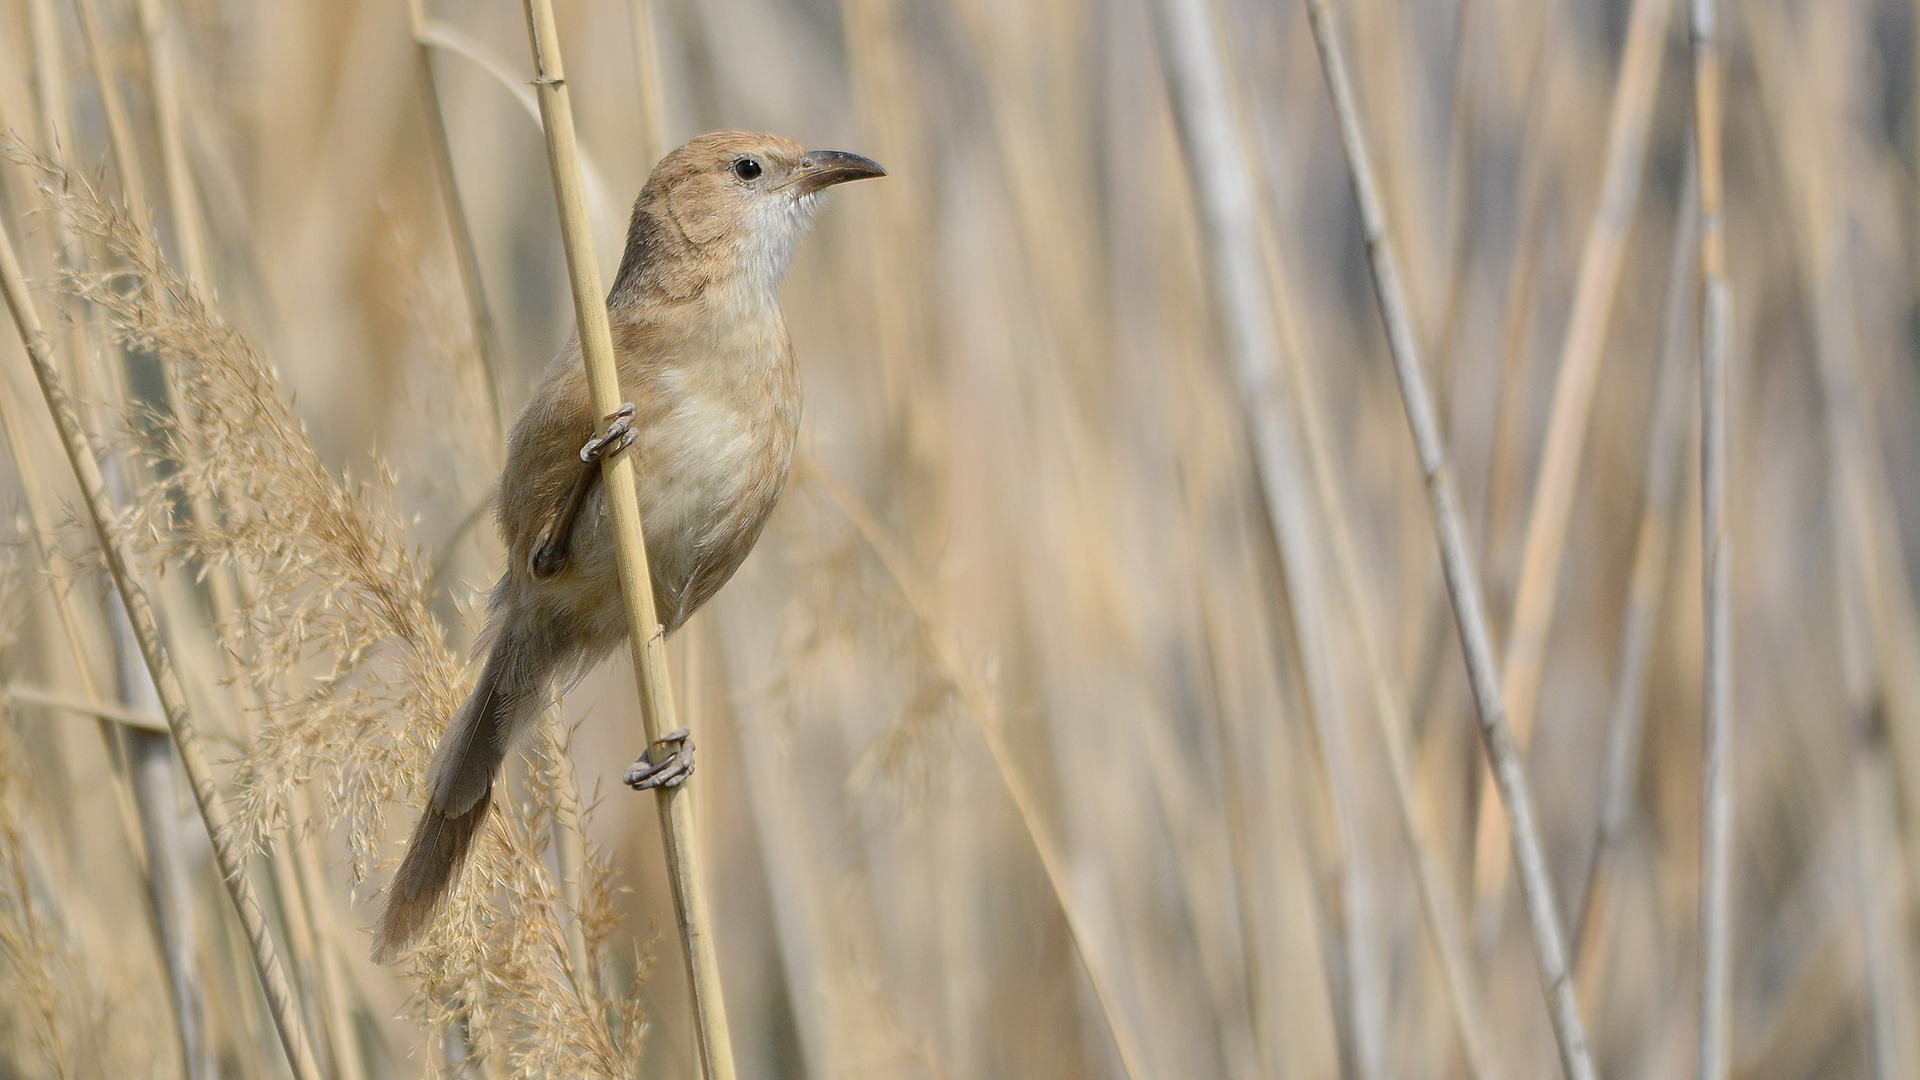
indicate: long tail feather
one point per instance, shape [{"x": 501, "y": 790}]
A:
[{"x": 509, "y": 696}]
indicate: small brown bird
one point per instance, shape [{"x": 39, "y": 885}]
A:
[{"x": 703, "y": 351}]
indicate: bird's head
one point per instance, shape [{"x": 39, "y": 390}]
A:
[{"x": 729, "y": 204}]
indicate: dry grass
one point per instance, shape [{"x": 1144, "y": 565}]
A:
[{"x": 1093, "y": 705}]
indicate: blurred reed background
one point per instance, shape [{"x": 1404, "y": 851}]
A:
[{"x": 1093, "y": 704}]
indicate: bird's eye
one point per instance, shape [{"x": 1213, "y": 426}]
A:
[{"x": 746, "y": 169}]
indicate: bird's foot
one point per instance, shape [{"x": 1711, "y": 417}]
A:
[
  {"x": 665, "y": 772},
  {"x": 619, "y": 436}
]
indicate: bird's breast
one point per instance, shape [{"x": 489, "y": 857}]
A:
[{"x": 715, "y": 449}]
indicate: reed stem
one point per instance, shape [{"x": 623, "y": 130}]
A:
[
  {"x": 645, "y": 637},
  {"x": 213, "y": 810},
  {"x": 1456, "y": 559},
  {"x": 1581, "y": 355},
  {"x": 466, "y": 256},
  {"x": 1716, "y": 795}
]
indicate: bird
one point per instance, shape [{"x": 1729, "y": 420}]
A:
[{"x": 713, "y": 410}]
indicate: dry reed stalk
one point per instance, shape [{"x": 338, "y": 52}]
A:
[
  {"x": 126, "y": 157},
  {"x": 213, "y": 810},
  {"x": 645, "y": 638},
  {"x": 149, "y": 781},
  {"x": 1457, "y": 561},
  {"x": 652, "y": 134},
  {"x": 1581, "y": 354},
  {"x": 1197, "y": 84},
  {"x": 568, "y": 843},
  {"x": 441, "y": 35},
  {"x": 1510, "y": 400},
  {"x": 1439, "y": 906},
  {"x": 340, "y": 587},
  {"x": 1871, "y": 576},
  {"x": 1883, "y": 936},
  {"x": 979, "y": 706},
  {"x": 1716, "y": 794},
  {"x": 296, "y": 874},
  {"x": 1236, "y": 220},
  {"x": 53, "y": 699},
  {"x": 466, "y": 258},
  {"x": 93, "y": 700},
  {"x": 29, "y": 944},
  {"x": 1233, "y": 797},
  {"x": 189, "y": 231},
  {"x": 1645, "y": 591},
  {"x": 1867, "y": 529}
]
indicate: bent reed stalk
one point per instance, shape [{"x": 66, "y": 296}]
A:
[{"x": 646, "y": 639}]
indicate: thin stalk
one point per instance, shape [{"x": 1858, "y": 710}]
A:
[
  {"x": 1457, "y": 560},
  {"x": 465, "y": 256},
  {"x": 53, "y": 699},
  {"x": 1215, "y": 145},
  {"x": 1581, "y": 354},
  {"x": 646, "y": 639},
  {"x": 1716, "y": 795},
  {"x": 126, "y": 157},
  {"x": 149, "y": 781},
  {"x": 1234, "y": 803},
  {"x": 228, "y": 851},
  {"x": 1882, "y": 905},
  {"x": 1197, "y": 84},
  {"x": 330, "y": 971},
  {"x": 295, "y": 882},
  {"x": 1863, "y": 521},
  {"x": 1510, "y": 400},
  {"x": 189, "y": 232},
  {"x": 569, "y": 847},
  {"x": 150, "y": 760},
  {"x": 652, "y": 133},
  {"x": 1439, "y": 906},
  {"x": 1661, "y": 484}
]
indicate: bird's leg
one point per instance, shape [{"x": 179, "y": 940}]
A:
[
  {"x": 550, "y": 555},
  {"x": 665, "y": 772}
]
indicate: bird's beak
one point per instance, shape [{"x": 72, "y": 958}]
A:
[{"x": 825, "y": 168}]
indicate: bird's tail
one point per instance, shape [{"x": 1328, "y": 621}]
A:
[{"x": 509, "y": 696}]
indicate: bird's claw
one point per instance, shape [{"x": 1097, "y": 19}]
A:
[
  {"x": 619, "y": 436},
  {"x": 669, "y": 771}
]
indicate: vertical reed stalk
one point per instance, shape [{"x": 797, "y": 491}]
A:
[
  {"x": 126, "y": 157},
  {"x": 1716, "y": 795},
  {"x": 67, "y": 612},
  {"x": 1647, "y": 585},
  {"x": 1580, "y": 358},
  {"x": 1203, "y": 106},
  {"x": 296, "y": 874},
  {"x": 1510, "y": 400},
  {"x": 188, "y": 230},
  {"x": 569, "y": 848},
  {"x": 465, "y": 256},
  {"x": 645, "y": 637},
  {"x": 150, "y": 782},
  {"x": 1880, "y": 889},
  {"x": 1457, "y": 561},
  {"x": 653, "y": 102},
  {"x": 213, "y": 810}
]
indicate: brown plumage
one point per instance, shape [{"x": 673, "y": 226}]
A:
[{"x": 704, "y": 357}]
